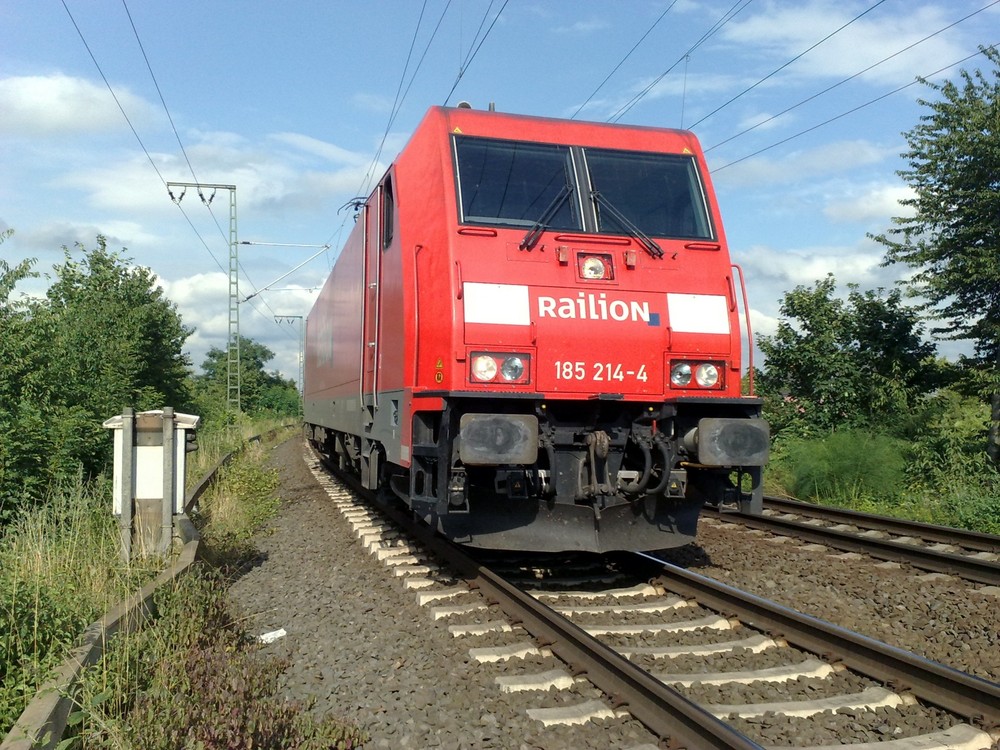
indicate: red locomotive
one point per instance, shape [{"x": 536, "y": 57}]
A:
[{"x": 532, "y": 337}]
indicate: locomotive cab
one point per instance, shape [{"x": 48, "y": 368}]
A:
[{"x": 548, "y": 343}]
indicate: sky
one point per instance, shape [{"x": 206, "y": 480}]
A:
[{"x": 801, "y": 107}]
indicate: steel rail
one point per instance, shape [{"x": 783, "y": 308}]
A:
[
  {"x": 663, "y": 710},
  {"x": 929, "y": 532},
  {"x": 964, "y": 566},
  {"x": 972, "y": 697}
]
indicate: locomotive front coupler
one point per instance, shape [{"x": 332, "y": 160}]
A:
[{"x": 458, "y": 494}]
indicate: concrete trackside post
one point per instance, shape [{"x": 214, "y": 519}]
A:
[{"x": 149, "y": 477}]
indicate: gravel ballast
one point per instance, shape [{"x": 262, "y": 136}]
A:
[
  {"x": 361, "y": 648},
  {"x": 940, "y": 617}
]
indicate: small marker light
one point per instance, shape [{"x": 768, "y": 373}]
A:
[{"x": 593, "y": 268}]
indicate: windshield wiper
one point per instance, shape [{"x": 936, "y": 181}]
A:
[
  {"x": 651, "y": 247},
  {"x": 533, "y": 235}
]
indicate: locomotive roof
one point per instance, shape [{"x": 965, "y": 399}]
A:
[{"x": 448, "y": 120}]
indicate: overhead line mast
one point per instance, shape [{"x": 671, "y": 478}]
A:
[{"x": 233, "y": 395}]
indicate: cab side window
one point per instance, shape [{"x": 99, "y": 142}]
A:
[{"x": 388, "y": 213}]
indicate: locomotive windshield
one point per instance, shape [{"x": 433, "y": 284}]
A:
[
  {"x": 659, "y": 193},
  {"x": 511, "y": 182},
  {"x": 517, "y": 183}
]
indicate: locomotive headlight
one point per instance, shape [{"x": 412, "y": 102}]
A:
[
  {"x": 484, "y": 368},
  {"x": 706, "y": 375},
  {"x": 593, "y": 267},
  {"x": 512, "y": 368},
  {"x": 680, "y": 374},
  {"x": 508, "y": 368}
]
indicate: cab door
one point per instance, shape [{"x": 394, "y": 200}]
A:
[{"x": 372, "y": 298}]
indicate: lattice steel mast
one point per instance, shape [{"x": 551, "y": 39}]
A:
[{"x": 233, "y": 395}]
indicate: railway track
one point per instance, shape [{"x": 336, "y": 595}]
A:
[
  {"x": 677, "y": 653},
  {"x": 967, "y": 554}
]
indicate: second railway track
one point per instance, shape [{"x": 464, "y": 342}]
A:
[{"x": 970, "y": 555}]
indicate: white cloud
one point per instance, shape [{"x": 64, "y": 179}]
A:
[
  {"x": 266, "y": 180},
  {"x": 324, "y": 150},
  {"x": 372, "y": 103},
  {"x": 870, "y": 204},
  {"x": 124, "y": 184},
  {"x": 203, "y": 303},
  {"x": 828, "y": 159},
  {"x": 761, "y": 121},
  {"x": 790, "y": 268},
  {"x": 59, "y": 105},
  {"x": 785, "y": 30},
  {"x": 582, "y": 27},
  {"x": 47, "y": 239}
]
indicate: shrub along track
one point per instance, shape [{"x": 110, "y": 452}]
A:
[{"x": 361, "y": 647}]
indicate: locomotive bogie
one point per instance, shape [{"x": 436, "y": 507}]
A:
[{"x": 532, "y": 338}]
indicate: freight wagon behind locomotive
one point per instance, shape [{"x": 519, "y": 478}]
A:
[{"x": 532, "y": 337}]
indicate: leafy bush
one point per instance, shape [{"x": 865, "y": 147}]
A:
[
  {"x": 851, "y": 467},
  {"x": 103, "y": 337},
  {"x": 946, "y": 438},
  {"x": 970, "y": 506}
]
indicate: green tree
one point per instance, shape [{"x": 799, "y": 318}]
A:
[
  {"x": 260, "y": 391},
  {"x": 952, "y": 237},
  {"x": 103, "y": 338},
  {"x": 25, "y": 396},
  {"x": 117, "y": 340},
  {"x": 836, "y": 363}
]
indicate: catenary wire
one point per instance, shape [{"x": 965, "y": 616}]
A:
[
  {"x": 113, "y": 95},
  {"x": 851, "y": 77},
  {"x": 777, "y": 70},
  {"x": 474, "y": 53},
  {"x": 170, "y": 119},
  {"x": 166, "y": 110},
  {"x": 738, "y": 7},
  {"x": 397, "y": 105},
  {"x": 852, "y": 110},
  {"x": 159, "y": 93},
  {"x": 394, "y": 110},
  {"x": 622, "y": 61},
  {"x": 146, "y": 151},
  {"x": 135, "y": 133},
  {"x": 468, "y": 61},
  {"x": 486, "y": 14}
]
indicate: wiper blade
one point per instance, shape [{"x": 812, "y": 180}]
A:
[
  {"x": 651, "y": 247},
  {"x": 533, "y": 235}
]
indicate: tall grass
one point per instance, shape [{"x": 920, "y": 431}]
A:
[
  {"x": 237, "y": 508},
  {"x": 196, "y": 680},
  {"x": 60, "y": 569},
  {"x": 875, "y": 473},
  {"x": 215, "y": 441},
  {"x": 195, "y": 674}
]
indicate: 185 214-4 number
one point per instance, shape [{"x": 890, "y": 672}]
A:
[{"x": 598, "y": 371}]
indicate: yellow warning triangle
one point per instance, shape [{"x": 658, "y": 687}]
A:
[{"x": 457, "y": 130}]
